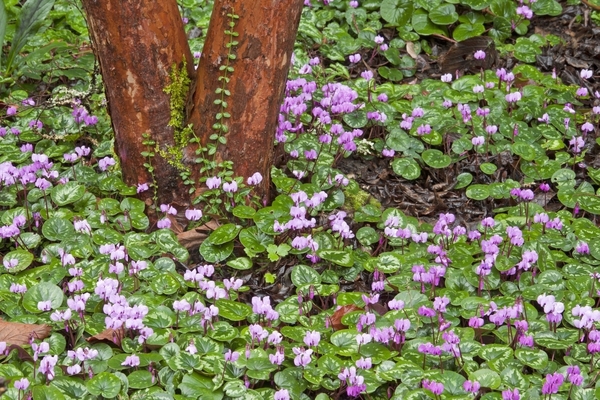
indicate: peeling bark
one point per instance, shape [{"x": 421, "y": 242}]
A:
[
  {"x": 267, "y": 31},
  {"x": 136, "y": 43}
]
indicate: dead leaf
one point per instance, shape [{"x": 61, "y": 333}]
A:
[
  {"x": 410, "y": 49},
  {"x": 20, "y": 334},
  {"x": 460, "y": 56},
  {"x": 193, "y": 238},
  {"x": 336, "y": 318},
  {"x": 112, "y": 335}
]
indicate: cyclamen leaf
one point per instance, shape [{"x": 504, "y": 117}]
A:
[{"x": 33, "y": 13}]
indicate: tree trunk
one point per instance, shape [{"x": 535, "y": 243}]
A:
[
  {"x": 138, "y": 42},
  {"x": 267, "y": 31}
]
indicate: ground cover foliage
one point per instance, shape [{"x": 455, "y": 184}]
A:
[{"x": 324, "y": 293}]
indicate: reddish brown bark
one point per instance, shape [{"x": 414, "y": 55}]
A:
[
  {"x": 267, "y": 31},
  {"x": 136, "y": 43}
]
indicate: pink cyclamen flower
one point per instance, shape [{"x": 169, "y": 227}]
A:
[
  {"x": 281, "y": 394},
  {"x": 354, "y": 58},
  {"x": 525, "y": 12},
  {"x": 446, "y": 78},
  {"x": 106, "y": 162},
  {"x": 367, "y": 75},
  {"x": 585, "y": 73},
  {"x": 255, "y": 179},
  {"x": 213, "y": 183},
  {"x": 22, "y": 384},
  {"x": 131, "y": 361},
  {"x": 479, "y": 55},
  {"x": 478, "y": 140},
  {"x": 193, "y": 215}
]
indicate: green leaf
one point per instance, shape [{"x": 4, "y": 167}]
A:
[
  {"x": 254, "y": 240},
  {"x": 305, "y": 275},
  {"x": 340, "y": 257},
  {"x": 240, "y": 263},
  {"x": 589, "y": 202},
  {"x": 43, "y": 392},
  {"x": 392, "y": 74},
  {"x": 224, "y": 233},
  {"x": 104, "y": 384},
  {"x": 33, "y": 14},
  {"x": 534, "y": 358},
  {"x": 444, "y": 14},
  {"x": 232, "y": 310},
  {"x": 42, "y": 292},
  {"x": 436, "y": 159},
  {"x": 244, "y": 212},
  {"x": 396, "y": 12},
  {"x": 488, "y": 168},
  {"x": 23, "y": 259},
  {"x": 140, "y": 379},
  {"x": 356, "y": 119},
  {"x": 423, "y": 25},
  {"x": 526, "y": 50},
  {"x": 68, "y": 193},
  {"x": 165, "y": 283},
  {"x": 57, "y": 229},
  {"x": 198, "y": 386},
  {"x": 406, "y": 168},
  {"x": 3, "y": 24},
  {"x": 213, "y": 253},
  {"x": 487, "y": 378},
  {"x": 367, "y": 236},
  {"x": 478, "y": 192},
  {"x": 463, "y": 180},
  {"x": 467, "y": 31}
]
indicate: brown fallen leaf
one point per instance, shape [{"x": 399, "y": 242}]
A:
[
  {"x": 193, "y": 238},
  {"x": 112, "y": 335},
  {"x": 336, "y": 318},
  {"x": 19, "y": 334}
]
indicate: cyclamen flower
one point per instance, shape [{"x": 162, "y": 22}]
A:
[
  {"x": 213, "y": 183},
  {"x": 193, "y": 215},
  {"x": 585, "y": 74},
  {"x": 106, "y": 162},
  {"x": 552, "y": 383},
  {"x": 281, "y": 394},
  {"x": 525, "y": 12},
  {"x": 232, "y": 356},
  {"x": 47, "y": 366},
  {"x": 302, "y": 358},
  {"x": 22, "y": 384},
  {"x": 131, "y": 361},
  {"x": 479, "y": 55},
  {"x": 446, "y": 78},
  {"x": 141, "y": 187},
  {"x": 354, "y": 58},
  {"x": 255, "y": 179},
  {"x": 367, "y": 75},
  {"x": 478, "y": 140}
]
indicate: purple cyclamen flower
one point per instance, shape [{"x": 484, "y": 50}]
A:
[
  {"x": 106, "y": 162},
  {"x": 213, "y": 183},
  {"x": 22, "y": 384},
  {"x": 255, "y": 179},
  {"x": 479, "y": 55},
  {"x": 131, "y": 361},
  {"x": 354, "y": 58}
]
